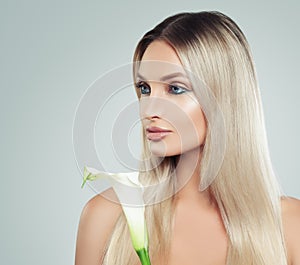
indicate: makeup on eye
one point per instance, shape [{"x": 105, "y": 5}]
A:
[
  {"x": 177, "y": 89},
  {"x": 172, "y": 88},
  {"x": 143, "y": 87}
]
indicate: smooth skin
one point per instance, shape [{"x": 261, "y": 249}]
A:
[{"x": 198, "y": 233}]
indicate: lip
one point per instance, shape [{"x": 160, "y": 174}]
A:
[
  {"x": 155, "y": 129},
  {"x": 156, "y": 133}
]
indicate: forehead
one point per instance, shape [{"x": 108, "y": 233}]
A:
[
  {"x": 160, "y": 60},
  {"x": 159, "y": 71},
  {"x": 161, "y": 51}
]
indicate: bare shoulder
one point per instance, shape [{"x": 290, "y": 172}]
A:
[
  {"x": 291, "y": 225},
  {"x": 96, "y": 224}
]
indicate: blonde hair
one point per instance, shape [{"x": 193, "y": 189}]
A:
[{"x": 245, "y": 189}]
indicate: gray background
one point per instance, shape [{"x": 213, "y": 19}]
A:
[{"x": 51, "y": 51}]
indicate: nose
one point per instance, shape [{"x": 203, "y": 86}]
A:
[{"x": 151, "y": 106}]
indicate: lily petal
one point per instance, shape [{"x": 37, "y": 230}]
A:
[{"x": 130, "y": 193}]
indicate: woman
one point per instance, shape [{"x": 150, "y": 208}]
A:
[{"x": 238, "y": 215}]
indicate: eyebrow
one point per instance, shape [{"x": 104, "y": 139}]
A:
[{"x": 166, "y": 77}]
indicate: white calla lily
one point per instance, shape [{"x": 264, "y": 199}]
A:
[{"x": 130, "y": 194}]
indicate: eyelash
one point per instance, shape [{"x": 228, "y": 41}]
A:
[{"x": 141, "y": 85}]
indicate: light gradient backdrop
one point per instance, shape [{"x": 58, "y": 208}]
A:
[{"x": 51, "y": 51}]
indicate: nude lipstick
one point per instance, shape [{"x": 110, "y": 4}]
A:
[{"x": 156, "y": 133}]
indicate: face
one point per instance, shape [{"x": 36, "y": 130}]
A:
[{"x": 171, "y": 116}]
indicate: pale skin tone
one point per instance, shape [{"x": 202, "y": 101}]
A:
[{"x": 198, "y": 233}]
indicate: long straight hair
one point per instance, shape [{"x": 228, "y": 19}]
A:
[{"x": 245, "y": 189}]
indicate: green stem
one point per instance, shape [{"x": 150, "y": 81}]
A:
[{"x": 144, "y": 256}]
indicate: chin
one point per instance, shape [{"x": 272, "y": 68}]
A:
[{"x": 161, "y": 150}]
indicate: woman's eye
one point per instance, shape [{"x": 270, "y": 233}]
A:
[
  {"x": 177, "y": 89},
  {"x": 143, "y": 88}
]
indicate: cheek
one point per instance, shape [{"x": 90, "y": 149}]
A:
[
  {"x": 199, "y": 122},
  {"x": 187, "y": 121},
  {"x": 192, "y": 130}
]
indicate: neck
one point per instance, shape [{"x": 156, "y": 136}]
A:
[{"x": 188, "y": 177}]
